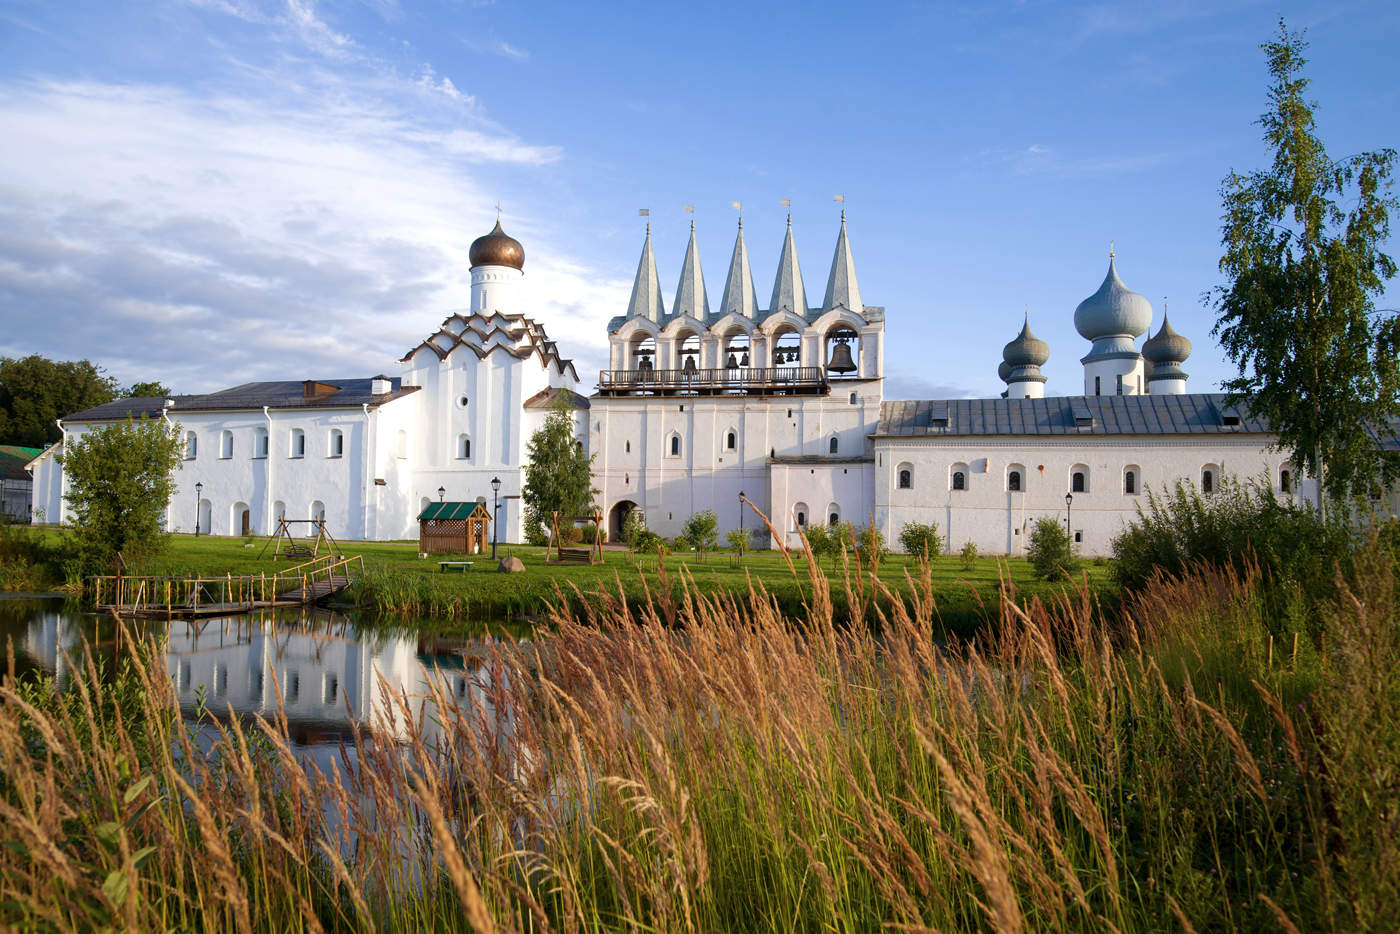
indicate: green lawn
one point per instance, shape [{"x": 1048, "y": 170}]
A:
[{"x": 398, "y": 582}]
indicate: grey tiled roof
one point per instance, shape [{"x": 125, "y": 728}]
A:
[
  {"x": 277, "y": 394},
  {"x": 1189, "y": 414}
]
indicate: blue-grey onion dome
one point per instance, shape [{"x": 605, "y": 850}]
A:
[
  {"x": 497, "y": 249},
  {"x": 1114, "y": 309},
  {"x": 1026, "y": 349},
  {"x": 1166, "y": 346},
  {"x": 1003, "y": 370}
]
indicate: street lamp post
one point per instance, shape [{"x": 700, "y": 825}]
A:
[
  {"x": 495, "y": 513},
  {"x": 1069, "y": 530},
  {"x": 442, "y": 491},
  {"x": 198, "y": 489},
  {"x": 741, "y": 510}
]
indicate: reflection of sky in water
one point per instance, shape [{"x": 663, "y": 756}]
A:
[{"x": 325, "y": 669}]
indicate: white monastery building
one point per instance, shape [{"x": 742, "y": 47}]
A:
[{"x": 700, "y": 405}]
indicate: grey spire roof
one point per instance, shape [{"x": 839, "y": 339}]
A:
[
  {"x": 1114, "y": 311},
  {"x": 646, "y": 288},
  {"x": 738, "y": 287},
  {"x": 788, "y": 292},
  {"x": 841, "y": 288},
  {"x": 1166, "y": 346},
  {"x": 690, "y": 293},
  {"x": 1023, "y": 357}
]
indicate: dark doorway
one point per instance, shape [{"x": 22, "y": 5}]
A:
[
  {"x": 618, "y": 518},
  {"x": 246, "y": 521}
]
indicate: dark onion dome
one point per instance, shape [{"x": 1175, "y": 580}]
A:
[
  {"x": 1166, "y": 346},
  {"x": 1114, "y": 310},
  {"x": 1003, "y": 371},
  {"x": 497, "y": 249},
  {"x": 1026, "y": 349}
]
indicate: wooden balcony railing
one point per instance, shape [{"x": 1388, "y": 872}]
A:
[{"x": 752, "y": 379}]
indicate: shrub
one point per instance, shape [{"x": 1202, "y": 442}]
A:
[
  {"x": 738, "y": 540},
  {"x": 870, "y": 544},
  {"x": 638, "y": 537},
  {"x": 1051, "y": 556},
  {"x": 920, "y": 539},
  {"x": 824, "y": 540},
  {"x": 701, "y": 531},
  {"x": 968, "y": 555},
  {"x": 570, "y": 535}
]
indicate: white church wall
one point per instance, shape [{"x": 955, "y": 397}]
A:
[
  {"x": 999, "y": 520},
  {"x": 818, "y": 491}
]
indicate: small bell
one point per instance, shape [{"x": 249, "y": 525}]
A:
[
  {"x": 841, "y": 361},
  {"x": 645, "y": 365},
  {"x": 744, "y": 361},
  {"x": 689, "y": 365},
  {"x": 732, "y": 363}
]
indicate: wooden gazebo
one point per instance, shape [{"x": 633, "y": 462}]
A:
[{"x": 454, "y": 528}]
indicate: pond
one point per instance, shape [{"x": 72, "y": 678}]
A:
[{"x": 328, "y": 669}]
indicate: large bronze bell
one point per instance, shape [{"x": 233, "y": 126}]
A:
[
  {"x": 731, "y": 363},
  {"x": 689, "y": 366},
  {"x": 841, "y": 361}
]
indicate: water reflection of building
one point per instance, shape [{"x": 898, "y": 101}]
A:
[{"x": 326, "y": 672}]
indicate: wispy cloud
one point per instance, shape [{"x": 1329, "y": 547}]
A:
[{"x": 509, "y": 51}]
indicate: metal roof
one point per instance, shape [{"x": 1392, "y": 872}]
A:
[
  {"x": 14, "y": 461},
  {"x": 451, "y": 510},
  {"x": 1187, "y": 414},
  {"x": 276, "y": 394}
]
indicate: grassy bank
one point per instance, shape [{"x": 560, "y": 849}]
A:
[
  {"x": 400, "y": 584},
  {"x": 701, "y": 763}
]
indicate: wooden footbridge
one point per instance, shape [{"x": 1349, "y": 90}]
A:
[{"x": 200, "y": 597}]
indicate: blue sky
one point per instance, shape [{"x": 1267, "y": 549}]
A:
[{"x": 211, "y": 191}]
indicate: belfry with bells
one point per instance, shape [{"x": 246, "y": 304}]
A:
[{"x": 789, "y": 347}]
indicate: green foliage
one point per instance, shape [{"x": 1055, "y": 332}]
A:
[
  {"x": 919, "y": 539},
  {"x": 1239, "y": 524},
  {"x": 36, "y": 391},
  {"x": 120, "y": 479},
  {"x": 28, "y": 559},
  {"x": 1303, "y": 255},
  {"x": 825, "y": 541},
  {"x": 701, "y": 531},
  {"x": 739, "y": 540},
  {"x": 869, "y": 543},
  {"x": 968, "y": 554},
  {"x": 637, "y": 536},
  {"x": 559, "y": 475},
  {"x": 150, "y": 389},
  {"x": 1050, "y": 551}
]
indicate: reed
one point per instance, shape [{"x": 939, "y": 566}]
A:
[{"x": 699, "y": 761}]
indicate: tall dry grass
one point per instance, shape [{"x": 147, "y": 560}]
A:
[{"x": 700, "y": 763}]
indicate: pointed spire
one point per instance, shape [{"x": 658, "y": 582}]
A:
[
  {"x": 646, "y": 288},
  {"x": 738, "y": 287},
  {"x": 788, "y": 291},
  {"x": 690, "y": 293},
  {"x": 841, "y": 288}
]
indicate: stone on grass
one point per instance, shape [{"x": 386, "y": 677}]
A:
[{"x": 511, "y": 565}]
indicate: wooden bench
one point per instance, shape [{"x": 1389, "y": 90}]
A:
[
  {"x": 462, "y": 566},
  {"x": 575, "y": 556}
]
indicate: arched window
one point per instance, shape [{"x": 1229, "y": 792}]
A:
[
  {"x": 1285, "y": 480},
  {"x": 1131, "y": 473},
  {"x": 225, "y": 444},
  {"x": 260, "y": 442},
  {"x": 1076, "y": 482},
  {"x": 853, "y": 398},
  {"x": 959, "y": 480},
  {"x": 906, "y": 477},
  {"x": 279, "y": 512},
  {"x": 318, "y": 511},
  {"x": 191, "y": 445},
  {"x": 298, "y": 445},
  {"x": 731, "y": 441},
  {"x": 464, "y": 447},
  {"x": 627, "y": 447},
  {"x": 578, "y": 446},
  {"x": 675, "y": 445},
  {"x": 799, "y": 512},
  {"x": 1207, "y": 480},
  {"x": 834, "y": 446},
  {"x": 336, "y": 444},
  {"x": 1013, "y": 481},
  {"x": 833, "y": 514}
]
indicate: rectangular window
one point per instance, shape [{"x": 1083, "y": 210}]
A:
[
  {"x": 1097, "y": 385},
  {"x": 1119, "y": 378}
]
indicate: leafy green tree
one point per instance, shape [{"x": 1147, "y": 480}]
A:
[
  {"x": 701, "y": 531},
  {"x": 919, "y": 539},
  {"x": 559, "y": 477},
  {"x": 869, "y": 542},
  {"x": 638, "y": 537},
  {"x": 1303, "y": 255},
  {"x": 120, "y": 480},
  {"x": 35, "y": 392},
  {"x": 738, "y": 540},
  {"x": 1052, "y": 556},
  {"x": 150, "y": 389}
]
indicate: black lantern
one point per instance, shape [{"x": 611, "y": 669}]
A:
[
  {"x": 442, "y": 492},
  {"x": 198, "y": 489},
  {"x": 495, "y": 513}
]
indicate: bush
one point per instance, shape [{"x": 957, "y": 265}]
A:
[
  {"x": 738, "y": 540},
  {"x": 637, "y": 536},
  {"x": 1051, "y": 556},
  {"x": 825, "y": 541},
  {"x": 570, "y": 535},
  {"x": 701, "y": 531},
  {"x": 968, "y": 555},
  {"x": 870, "y": 544},
  {"x": 919, "y": 539},
  {"x": 535, "y": 533}
]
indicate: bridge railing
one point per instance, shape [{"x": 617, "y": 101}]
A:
[
  {"x": 169, "y": 594},
  {"x": 735, "y": 378}
]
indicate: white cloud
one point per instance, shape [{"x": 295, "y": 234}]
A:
[
  {"x": 509, "y": 51},
  {"x": 208, "y": 240}
]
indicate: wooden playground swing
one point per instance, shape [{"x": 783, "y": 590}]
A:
[
  {"x": 592, "y": 553},
  {"x": 310, "y": 547}
]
